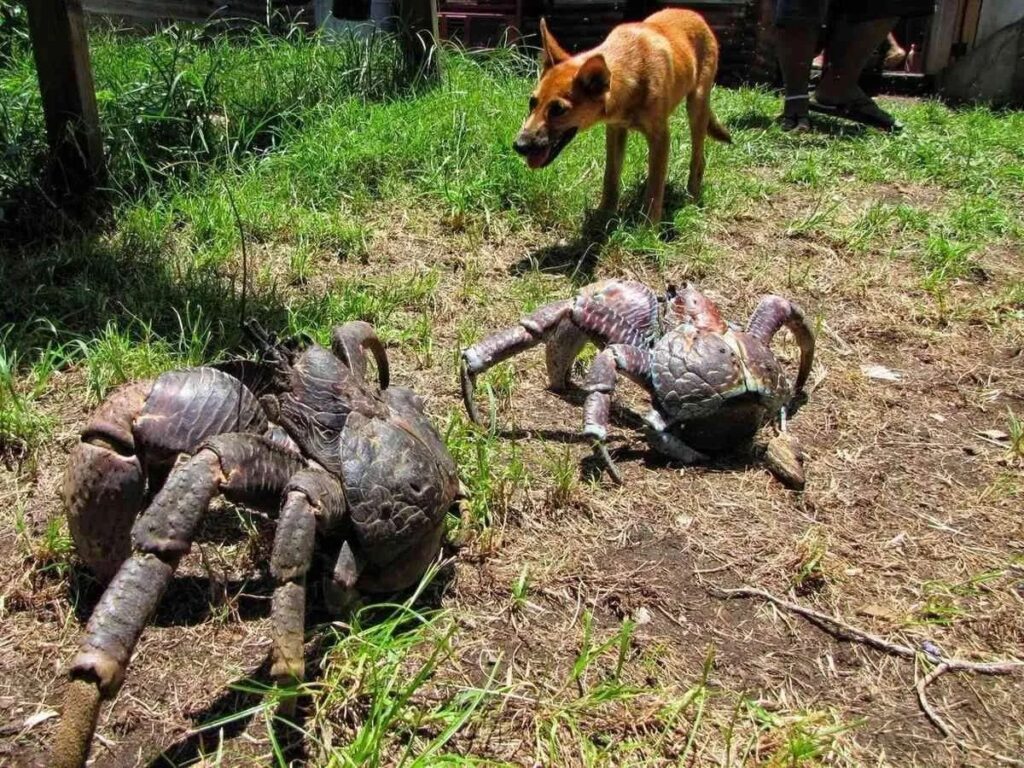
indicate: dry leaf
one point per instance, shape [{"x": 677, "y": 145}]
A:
[
  {"x": 641, "y": 616},
  {"x": 880, "y": 373},
  {"x": 877, "y": 612},
  {"x": 994, "y": 434}
]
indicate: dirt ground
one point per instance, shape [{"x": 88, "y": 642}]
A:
[{"x": 910, "y": 526}]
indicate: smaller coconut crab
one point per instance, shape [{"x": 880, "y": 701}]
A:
[
  {"x": 351, "y": 469},
  {"x": 712, "y": 385}
]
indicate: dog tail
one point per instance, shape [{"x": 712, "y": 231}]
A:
[{"x": 718, "y": 131}]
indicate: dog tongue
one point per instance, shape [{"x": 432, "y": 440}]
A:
[{"x": 537, "y": 159}]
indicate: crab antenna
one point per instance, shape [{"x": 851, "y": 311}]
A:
[{"x": 265, "y": 344}]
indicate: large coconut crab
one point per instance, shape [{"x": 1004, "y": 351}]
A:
[
  {"x": 712, "y": 386},
  {"x": 351, "y": 468}
]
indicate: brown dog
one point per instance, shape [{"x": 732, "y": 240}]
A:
[{"x": 634, "y": 80}]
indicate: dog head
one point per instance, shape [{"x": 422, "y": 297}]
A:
[{"x": 569, "y": 98}]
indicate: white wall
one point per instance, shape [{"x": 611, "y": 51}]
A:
[{"x": 996, "y": 14}]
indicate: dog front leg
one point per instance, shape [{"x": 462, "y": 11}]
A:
[
  {"x": 657, "y": 171},
  {"x": 615, "y": 143}
]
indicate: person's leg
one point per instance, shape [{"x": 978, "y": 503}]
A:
[
  {"x": 895, "y": 54},
  {"x": 797, "y": 28},
  {"x": 850, "y": 45}
]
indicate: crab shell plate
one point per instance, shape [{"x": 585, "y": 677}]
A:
[
  {"x": 719, "y": 388},
  {"x": 399, "y": 480},
  {"x": 398, "y": 477}
]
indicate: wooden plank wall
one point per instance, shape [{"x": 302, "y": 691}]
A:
[
  {"x": 192, "y": 10},
  {"x": 746, "y": 50}
]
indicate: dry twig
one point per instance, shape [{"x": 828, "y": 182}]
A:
[{"x": 845, "y": 631}]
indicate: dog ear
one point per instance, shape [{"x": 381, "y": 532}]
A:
[
  {"x": 593, "y": 77},
  {"x": 551, "y": 52}
]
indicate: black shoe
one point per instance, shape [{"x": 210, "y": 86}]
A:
[{"x": 861, "y": 110}]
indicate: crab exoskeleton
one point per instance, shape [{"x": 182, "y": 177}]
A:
[
  {"x": 352, "y": 469},
  {"x": 712, "y": 386}
]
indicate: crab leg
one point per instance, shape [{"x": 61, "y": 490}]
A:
[
  {"x": 313, "y": 499},
  {"x": 531, "y": 331},
  {"x": 771, "y": 314},
  {"x": 612, "y": 312},
  {"x": 105, "y": 482},
  {"x": 350, "y": 342},
  {"x": 600, "y": 385},
  {"x": 242, "y": 467}
]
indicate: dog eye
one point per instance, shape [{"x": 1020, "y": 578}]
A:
[
  {"x": 557, "y": 109},
  {"x": 533, "y": 103}
]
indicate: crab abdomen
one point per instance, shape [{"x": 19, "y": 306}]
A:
[
  {"x": 129, "y": 445},
  {"x": 397, "y": 486},
  {"x": 718, "y": 388},
  {"x": 694, "y": 373}
]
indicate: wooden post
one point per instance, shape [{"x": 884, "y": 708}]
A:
[
  {"x": 944, "y": 31},
  {"x": 418, "y": 31},
  {"x": 61, "y": 52}
]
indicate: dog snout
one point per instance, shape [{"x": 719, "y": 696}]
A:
[
  {"x": 527, "y": 143},
  {"x": 522, "y": 145}
]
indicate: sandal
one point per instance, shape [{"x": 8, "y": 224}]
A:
[
  {"x": 794, "y": 122},
  {"x": 861, "y": 110},
  {"x": 794, "y": 119}
]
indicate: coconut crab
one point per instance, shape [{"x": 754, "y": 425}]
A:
[
  {"x": 712, "y": 385},
  {"x": 353, "y": 469}
]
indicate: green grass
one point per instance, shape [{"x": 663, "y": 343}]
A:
[
  {"x": 382, "y": 671},
  {"x": 187, "y": 118},
  {"x": 808, "y": 738},
  {"x": 50, "y": 552},
  {"x": 492, "y": 471}
]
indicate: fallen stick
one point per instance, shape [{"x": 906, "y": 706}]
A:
[{"x": 845, "y": 631}]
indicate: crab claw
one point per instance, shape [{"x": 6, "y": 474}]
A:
[
  {"x": 468, "y": 389},
  {"x": 104, "y": 484},
  {"x": 785, "y": 459},
  {"x": 771, "y": 314},
  {"x": 351, "y": 341}
]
